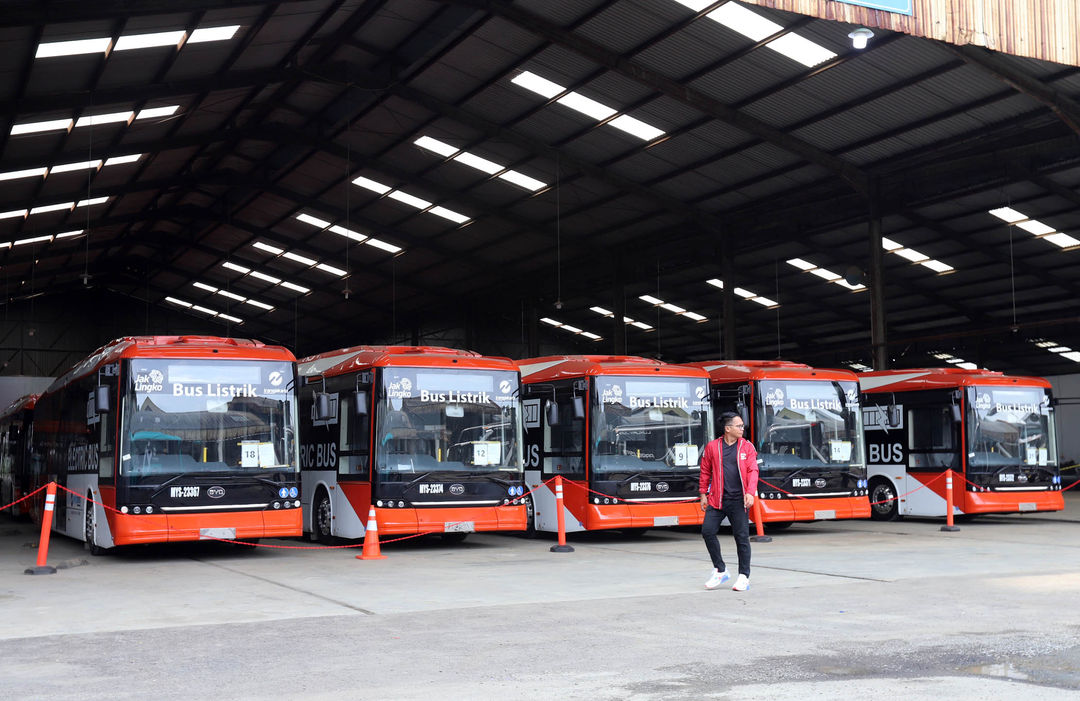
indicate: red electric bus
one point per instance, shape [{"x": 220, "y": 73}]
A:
[
  {"x": 806, "y": 425},
  {"x": 15, "y": 432},
  {"x": 626, "y": 435},
  {"x": 995, "y": 431},
  {"x": 429, "y": 436},
  {"x": 182, "y": 437}
]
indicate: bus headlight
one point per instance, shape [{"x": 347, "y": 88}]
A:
[
  {"x": 123, "y": 509},
  {"x": 277, "y": 504},
  {"x": 378, "y": 503},
  {"x": 149, "y": 509},
  {"x": 400, "y": 504},
  {"x": 596, "y": 500},
  {"x": 137, "y": 510}
]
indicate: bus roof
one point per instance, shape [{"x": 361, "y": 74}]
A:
[
  {"x": 216, "y": 347},
  {"x": 27, "y": 401},
  {"x": 743, "y": 370},
  {"x": 346, "y": 360},
  {"x": 940, "y": 378},
  {"x": 556, "y": 367}
]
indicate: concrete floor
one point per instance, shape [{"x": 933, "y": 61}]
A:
[{"x": 835, "y": 610}]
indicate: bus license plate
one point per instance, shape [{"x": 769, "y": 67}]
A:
[
  {"x": 825, "y": 515},
  {"x": 222, "y": 533},
  {"x": 665, "y": 521},
  {"x": 459, "y": 527},
  {"x": 1027, "y": 506}
]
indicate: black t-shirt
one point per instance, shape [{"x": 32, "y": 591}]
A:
[{"x": 732, "y": 482}]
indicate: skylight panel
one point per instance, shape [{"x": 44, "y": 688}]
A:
[
  {"x": 967, "y": 366},
  {"x": 408, "y": 199},
  {"x": 13, "y": 214},
  {"x": 450, "y": 214},
  {"x": 802, "y": 264},
  {"x": 601, "y": 311},
  {"x": 383, "y": 245},
  {"x": 153, "y": 112},
  {"x": 28, "y": 173},
  {"x": 1008, "y": 214},
  {"x": 294, "y": 287},
  {"x": 696, "y": 5},
  {"x": 349, "y": 234},
  {"x": 650, "y": 299},
  {"x": 522, "y": 180},
  {"x": 764, "y": 301},
  {"x": 92, "y": 201},
  {"x": 1036, "y": 227},
  {"x": 75, "y": 47},
  {"x": 641, "y": 325},
  {"x": 37, "y": 127},
  {"x": 205, "y": 34},
  {"x": 745, "y": 294},
  {"x": 937, "y": 266},
  {"x": 587, "y": 106},
  {"x": 121, "y": 160},
  {"x": 147, "y": 41},
  {"x": 912, "y": 255},
  {"x": 260, "y": 305},
  {"x": 1045, "y": 344},
  {"x": 110, "y": 118},
  {"x": 888, "y": 244},
  {"x": 1060, "y": 349},
  {"x": 69, "y": 234},
  {"x": 844, "y": 283},
  {"x": 540, "y": 86},
  {"x": 52, "y": 207},
  {"x": 636, "y": 127},
  {"x": 237, "y": 268},
  {"x": 178, "y": 302},
  {"x": 204, "y": 310},
  {"x": 571, "y": 329},
  {"x": 672, "y": 308},
  {"x": 750, "y": 24},
  {"x": 439, "y": 147},
  {"x": 35, "y": 239},
  {"x": 801, "y": 49},
  {"x": 826, "y": 274},
  {"x": 1062, "y": 240},
  {"x": 331, "y": 269},
  {"x": 304, "y": 260},
  {"x": 694, "y": 316},
  {"x": 590, "y": 335},
  {"x": 68, "y": 167},
  {"x": 268, "y": 248},
  {"x": 858, "y": 367},
  {"x": 369, "y": 184},
  {"x": 549, "y": 320},
  {"x": 314, "y": 221},
  {"x": 481, "y": 164},
  {"x": 265, "y": 277},
  {"x": 231, "y": 295}
]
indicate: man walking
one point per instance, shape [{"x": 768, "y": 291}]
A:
[{"x": 729, "y": 477}]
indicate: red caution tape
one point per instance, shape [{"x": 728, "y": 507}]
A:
[
  {"x": 899, "y": 496},
  {"x": 8, "y": 506}
]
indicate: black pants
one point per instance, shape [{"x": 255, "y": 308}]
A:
[{"x": 740, "y": 528}]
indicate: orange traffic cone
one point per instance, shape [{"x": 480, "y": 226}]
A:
[{"x": 371, "y": 539}]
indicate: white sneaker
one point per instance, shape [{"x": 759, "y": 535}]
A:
[
  {"x": 742, "y": 583},
  {"x": 717, "y": 579}
]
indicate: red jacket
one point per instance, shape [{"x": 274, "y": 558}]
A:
[{"x": 712, "y": 470}]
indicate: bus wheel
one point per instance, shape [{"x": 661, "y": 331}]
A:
[
  {"x": 454, "y": 537},
  {"x": 321, "y": 517},
  {"x": 530, "y": 519},
  {"x": 91, "y": 530},
  {"x": 881, "y": 490}
]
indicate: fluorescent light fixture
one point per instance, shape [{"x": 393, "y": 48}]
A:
[
  {"x": 73, "y": 48},
  {"x": 650, "y": 299},
  {"x": 1073, "y": 356},
  {"x": 601, "y": 311},
  {"x": 801, "y": 49},
  {"x": 590, "y": 335},
  {"x": 237, "y": 268},
  {"x": 349, "y": 233},
  {"x": 121, "y": 160},
  {"x": 912, "y": 255},
  {"x": 265, "y": 277},
  {"x": 204, "y": 310},
  {"x": 68, "y": 167},
  {"x": 745, "y": 294},
  {"x": 1008, "y": 214},
  {"x": 750, "y": 24},
  {"x": 408, "y": 199},
  {"x": 1060, "y": 349},
  {"x": 765, "y": 301},
  {"x": 641, "y": 325},
  {"x": 52, "y": 207},
  {"x": 636, "y": 127},
  {"x": 695, "y": 316},
  {"x": 258, "y": 304},
  {"x": 204, "y": 34},
  {"x": 572, "y": 329},
  {"x": 548, "y": 320},
  {"x": 672, "y": 308},
  {"x": 36, "y": 127},
  {"x": 303, "y": 260},
  {"x": 36, "y": 239},
  {"x": 937, "y": 266},
  {"x": 28, "y": 173},
  {"x": 68, "y": 234},
  {"x": 481, "y": 164},
  {"x": 13, "y": 214},
  {"x": 369, "y": 184},
  {"x": 154, "y": 112},
  {"x": 801, "y": 264},
  {"x": 268, "y": 248},
  {"x": 294, "y": 287},
  {"x": 178, "y": 302},
  {"x": 826, "y": 274},
  {"x": 314, "y": 221},
  {"x": 716, "y": 283},
  {"x": 844, "y": 283},
  {"x": 383, "y": 245},
  {"x": 450, "y": 214},
  {"x": 1036, "y": 227},
  {"x": 231, "y": 295},
  {"x": 890, "y": 245},
  {"x": 93, "y": 201},
  {"x": 1062, "y": 240},
  {"x": 522, "y": 180},
  {"x": 149, "y": 41},
  {"x": 204, "y": 286},
  {"x": 439, "y": 147},
  {"x": 587, "y": 106},
  {"x": 541, "y": 86},
  {"x": 235, "y": 320},
  {"x": 110, "y": 118},
  {"x": 331, "y": 269}
]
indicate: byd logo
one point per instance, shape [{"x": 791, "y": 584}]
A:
[{"x": 215, "y": 492}]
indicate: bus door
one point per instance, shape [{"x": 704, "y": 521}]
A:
[
  {"x": 556, "y": 447},
  {"x": 933, "y": 439}
]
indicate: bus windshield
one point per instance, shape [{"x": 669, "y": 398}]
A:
[
  {"x": 808, "y": 424},
  {"x": 1010, "y": 427},
  {"x": 438, "y": 420},
  {"x": 183, "y": 416},
  {"x": 649, "y": 424}
]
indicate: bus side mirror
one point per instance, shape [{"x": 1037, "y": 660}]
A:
[
  {"x": 552, "y": 411},
  {"x": 322, "y": 406},
  {"x": 360, "y": 402},
  {"x": 579, "y": 408},
  {"x": 101, "y": 399}
]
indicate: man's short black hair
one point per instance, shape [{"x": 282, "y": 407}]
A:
[{"x": 726, "y": 417}]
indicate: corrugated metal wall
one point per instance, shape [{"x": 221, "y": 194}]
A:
[{"x": 1045, "y": 29}]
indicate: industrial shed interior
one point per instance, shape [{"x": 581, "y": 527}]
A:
[{"x": 678, "y": 179}]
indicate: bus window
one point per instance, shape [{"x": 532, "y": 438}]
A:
[
  {"x": 931, "y": 437},
  {"x": 355, "y": 438},
  {"x": 564, "y": 443}
]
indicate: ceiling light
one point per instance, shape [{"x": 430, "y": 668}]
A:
[
  {"x": 1008, "y": 214},
  {"x": 148, "y": 41},
  {"x": 672, "y": 307},
  {"x": 860, "y": 37},
  {"x": 450, "y": 214},
  {"x": 522, "y": 180},
  {"x": 1060, "y": 349},
  {"x": 265, "y": 277},
  {"x": 826, "y": 274},
  {"x": 68, "y": 167},
  {"x": 890, "y": 245},
  {"x": 383, "y": 245},
  {"x": 912, "y": 255},
  {"x": 111, "y": 118},
  {"x": 1036, "y": 227},
  {"x": 548, "y": 320},
  {"x": 36, "y": 239},
  {"x": 650, "y": 299},
  {"x": 296, "y": 257},
  {"x": 293, "y": 286},
  {"x": 348, "y": 233},
  {"x": 695, "y": 316},
  {"x": 439, "y": 147},
  {"x": 590, "y": 335},
  {"x": 268, "y": 248},
  {"x": 52, "y": 207},
  {"x": 844, "y": 283},
  {"x": 28, "y": 173},
  {"x": 179, "y": 302},
  {"x": 1062, "y": 240},
  {"x": 716, "y": 283},
  {"x": 237, "y": 268},
  {"x": 541, "y": 86},
  {"x": 601, "y": 311},
  {"x": 765, "y": 302},
  {"x": 260, "y": 305},
  {"x": 93, "y": 201},
  {"x": 369, "y": 184},
  {"x": 481, "y": 164},
  {"x": 314, "y": 221},
  {"x": 36, "y": 127},
  {"x": 801, "y": 264},
  {"x": 641, "y": 325},
  {"x": 13, "y": 213},
  {"x": 636, "y": 127},
  {"x": 937, "y": 266},
  {"x": 745, "y": 294},
  {"x": 1073, "y": 356},
  {"x": 73, "y": 48},
  {"x": 154, "y": 112},
  {"x": 331, "y": 269},
  {"x": 204, "y": 34},
  {"x": 408, "y": 199}
]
